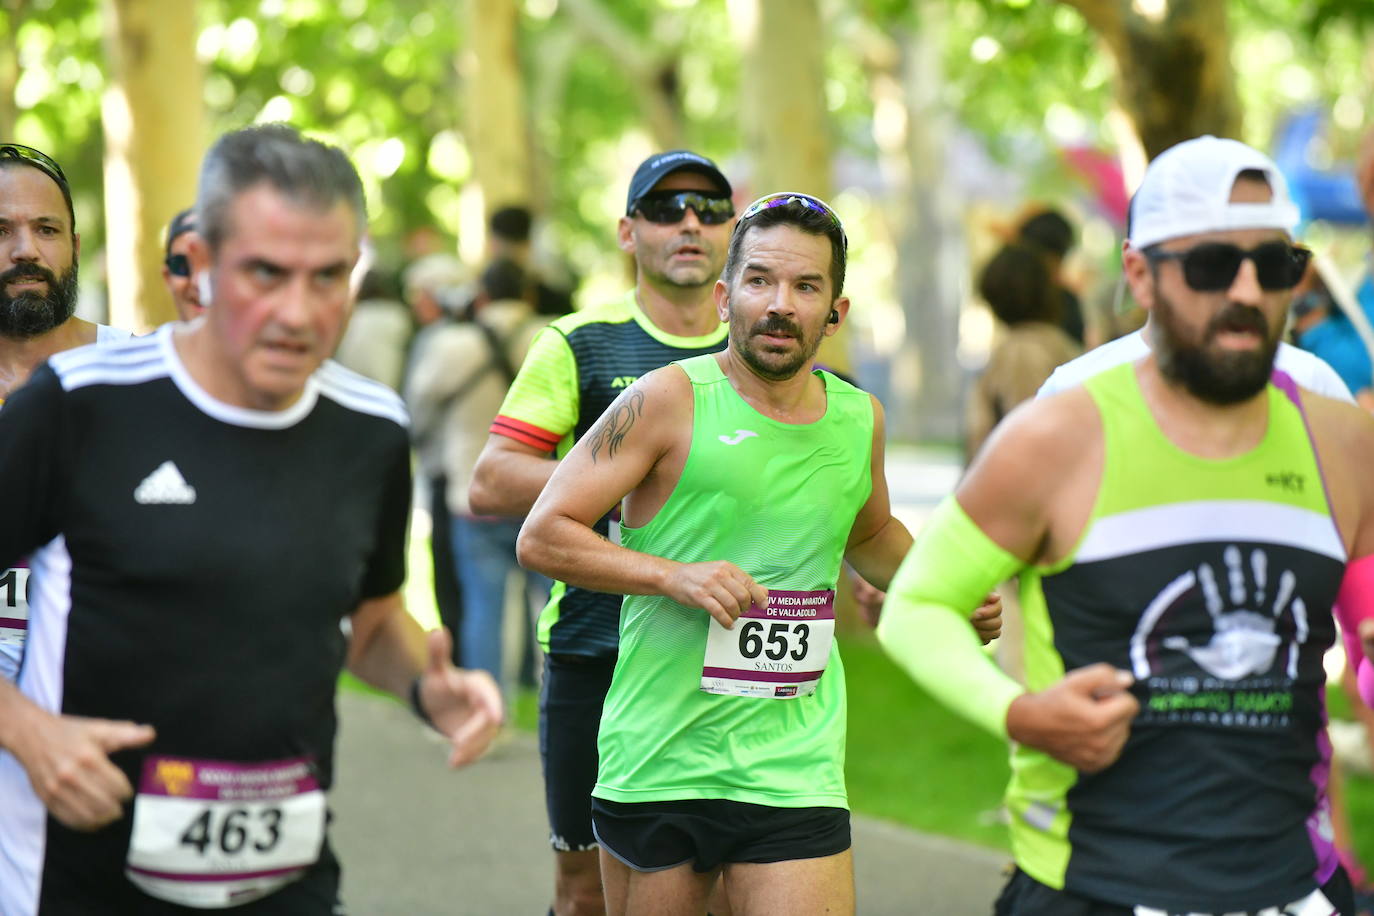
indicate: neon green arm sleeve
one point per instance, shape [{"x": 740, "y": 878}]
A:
[{"x": 925, "y": 621}]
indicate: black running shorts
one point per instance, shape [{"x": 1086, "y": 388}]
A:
[{"x": 653, "y": 836}]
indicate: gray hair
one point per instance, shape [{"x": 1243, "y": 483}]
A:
[{"x": 306, "y": 171}]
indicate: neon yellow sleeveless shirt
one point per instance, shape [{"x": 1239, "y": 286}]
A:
[{"x": 779, "y": 501}]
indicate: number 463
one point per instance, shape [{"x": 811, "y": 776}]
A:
[{"x": 234, "y": 831}]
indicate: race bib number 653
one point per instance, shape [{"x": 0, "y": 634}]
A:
[{"x": 778, "y": 651}]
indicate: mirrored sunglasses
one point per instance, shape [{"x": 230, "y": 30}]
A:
[
  {"x": 784, "y": 198},
  {"x": 1212, "y": 266},
  {"x": 671, "y": 207}
]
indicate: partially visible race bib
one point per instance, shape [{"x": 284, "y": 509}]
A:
[
  {"x": 212, "y": 834},
  {"x": 14, "y": 618},
  {"x": 1314, "y": 904},
  {"x": 778, "y": 651}
]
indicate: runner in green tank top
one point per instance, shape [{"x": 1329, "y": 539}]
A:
[
  {"x": 746, "y": 478},
  {"x": 1172, "y": 524}
]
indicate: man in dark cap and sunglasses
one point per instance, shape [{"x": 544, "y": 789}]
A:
[
  {"x": 678, "y": 214},
  {"x": 176, "y": 265},
  {"x": 746, "y": 479},
  {"x": 39, "y": 246},
  {"x": 1183, "y": 527}
]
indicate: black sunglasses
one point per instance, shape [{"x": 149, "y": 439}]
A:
[
  {"x": 1212, "y": 266},
  {"x": 37, "y": 158},
  {"x": 178, "y": 265},
  {"x": 671, "y": 206}
]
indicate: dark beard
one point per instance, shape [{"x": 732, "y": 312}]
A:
[
  {"x": 1215, "y": 377},
  {"x": 31, "y": 314},
  {"x": 773, "y": 371}
]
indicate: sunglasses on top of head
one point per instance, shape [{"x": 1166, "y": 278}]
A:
[
  {"x": 1211, "y": 267},
  {"x": 671, "y": 207},
  {"x": 794, "y": 198},
  {"x": 37, "y": 158}
]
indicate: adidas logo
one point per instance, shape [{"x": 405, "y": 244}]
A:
[{"x": 165, "y": 485}]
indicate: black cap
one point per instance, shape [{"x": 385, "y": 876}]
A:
[
  {"x": 652, "y": 170},
  {"x": 182, "y": 223}
]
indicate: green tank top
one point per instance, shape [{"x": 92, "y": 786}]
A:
[
  {"x": 779, "y": 501},
  {"x": 1212, "y": 582}
]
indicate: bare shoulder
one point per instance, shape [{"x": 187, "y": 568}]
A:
[
  {"x": 1341, "y": 423},
  {"x": 1032, "y": 485},
  {"x": 1042, "y": 437},
  {"x": 1343, "y": 435},
  {"x": 650, "y": 409}
]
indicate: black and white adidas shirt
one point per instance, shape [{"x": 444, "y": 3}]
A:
[{"x": 191, "y": 563}]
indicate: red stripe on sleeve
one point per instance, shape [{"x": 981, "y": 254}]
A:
[{"x": 528, "y": 433}]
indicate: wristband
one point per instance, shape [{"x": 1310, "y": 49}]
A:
[{"x": 416, "y": 706}]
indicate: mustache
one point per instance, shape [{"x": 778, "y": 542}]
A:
[
  {"x": 777, "y": 325},
  {"x": 29, "y": 272},
  {"x": 1237, "y": 317}
]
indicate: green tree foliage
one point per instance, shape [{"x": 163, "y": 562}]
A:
[{"x": 382, "y": 78}]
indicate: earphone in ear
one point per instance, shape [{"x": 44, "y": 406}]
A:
[
  {"x": 203, "y": 287},
  {"x": 834, "y": 317}
]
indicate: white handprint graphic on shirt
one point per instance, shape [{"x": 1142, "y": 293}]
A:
[{"x": 1244, "y": 619}]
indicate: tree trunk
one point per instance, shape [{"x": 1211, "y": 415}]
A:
[
  {"x": 496, "y": 130},
  {"x": 154, "y": 121},
  {"x": 1175, "y": 79},
  {"x": 14, "y": 14},
  {"x": 928, "y": 381},
  {"x": 786, "y": 126}
]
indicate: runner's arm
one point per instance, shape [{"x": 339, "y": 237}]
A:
[
  {"x": 539, "y": 410},
  {"x": 614, "y": 458},
  {"x": 389, "y": 651},
  {"x": 878, "y": 541},
  {"x": 1082, "y": 720},
  {"x": 1343, "y": 436},
  {"x": 66, "y": 759},
  {"x": 509, "y": 476}
]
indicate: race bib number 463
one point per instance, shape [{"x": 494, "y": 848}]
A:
[
  {"x": 778, "y": 651},
  {"x": 213, "y": 834}
]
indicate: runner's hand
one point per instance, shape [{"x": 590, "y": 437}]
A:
[
  {"x": 68, "y": 764},
  {"x": 1083, "y": 720},
  {"x": 464, "y": 705},
  {"x": 867, "y": 596},
  {"x": 719, "y": 588},
  {"x": 987, "y": 619}
]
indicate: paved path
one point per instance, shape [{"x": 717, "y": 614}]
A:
[{"x": 419, "y": 840}]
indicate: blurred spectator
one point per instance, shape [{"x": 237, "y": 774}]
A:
[
  {"x": 1049, "y": 233},
  {"x": 435, "y": 285},
  {"x": 552, "y": 282},
  {"x": 378, "y": 334},
  {"x": 176, "y": 266},
  {"x": 1017, "y": 284},
  {"x": 1321, "y": 327},
  {"x": 454, "y": 390}
]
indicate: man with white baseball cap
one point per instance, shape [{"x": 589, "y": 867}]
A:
[
  {"x": 1181, "y": 526},
  {"x": 1150, "y": 217}
]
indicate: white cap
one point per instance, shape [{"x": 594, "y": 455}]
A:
[{"x": 1187, "y": 191}]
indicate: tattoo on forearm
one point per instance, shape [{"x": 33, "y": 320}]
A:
[{"x": 611, "y": 429}]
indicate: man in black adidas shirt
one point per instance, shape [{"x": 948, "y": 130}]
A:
[{"x": 214, "y": 499}]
